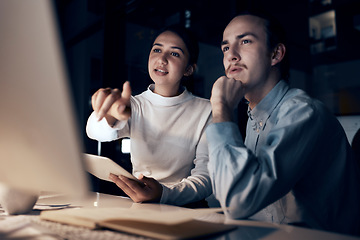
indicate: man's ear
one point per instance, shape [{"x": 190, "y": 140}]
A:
[
  {"x": 278, "y": 54},
  {"x": 190, "y": 70}
]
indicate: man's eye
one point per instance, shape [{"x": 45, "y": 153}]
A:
[
  {"x": 225, "y": 49},
  {"x": 246, "y": 41},
  {"x": 175, "y": 54}
]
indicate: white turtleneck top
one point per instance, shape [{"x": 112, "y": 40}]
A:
[{"x": 168, "y": 142}]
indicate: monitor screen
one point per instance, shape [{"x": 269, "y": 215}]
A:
[{"x": 40, "y": 146}]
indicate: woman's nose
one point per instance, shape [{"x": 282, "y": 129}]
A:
[{"x": 162, "y": 59}]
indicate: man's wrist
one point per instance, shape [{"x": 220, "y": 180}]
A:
[{"x": 220, "y": 113}]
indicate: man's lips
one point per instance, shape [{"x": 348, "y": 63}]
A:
[{"x": 235, "y": 68}]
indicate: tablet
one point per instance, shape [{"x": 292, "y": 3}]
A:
[{"x": 101, "y": 167}]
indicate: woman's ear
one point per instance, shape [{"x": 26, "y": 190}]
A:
[
  {"x": 278, "y": 54},
  {"x": 190, "y": 70}
]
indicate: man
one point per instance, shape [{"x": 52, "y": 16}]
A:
[{"x": 296, "y": 165}]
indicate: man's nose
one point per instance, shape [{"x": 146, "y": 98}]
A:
[{"x": 233, "y": 55}]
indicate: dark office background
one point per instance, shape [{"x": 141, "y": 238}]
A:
[{"x": 107, "y": 42}]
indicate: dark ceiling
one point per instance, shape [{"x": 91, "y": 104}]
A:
[{"x": 208, "y": 19}]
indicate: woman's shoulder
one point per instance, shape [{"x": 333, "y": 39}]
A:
[
  {"x": 200, "y": 100},
  {"x": 202, "y": 105}
]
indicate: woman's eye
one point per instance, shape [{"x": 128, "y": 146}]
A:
[
  {"x": 156, "y": 50},
  {"x": 175, "y": 54}
]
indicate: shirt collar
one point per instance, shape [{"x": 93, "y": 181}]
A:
[
  {"x": 266, "y": 106},
  {"x": 167, "y": 101}
]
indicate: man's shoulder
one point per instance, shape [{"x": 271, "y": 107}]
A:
[
  {"x": 298, "y": 102},
  {"x": 297, "y": 96}
]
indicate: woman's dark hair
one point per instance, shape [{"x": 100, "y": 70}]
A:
[
  {"x": 275, "y": 34},
  {"x": 188, "y": 37}
]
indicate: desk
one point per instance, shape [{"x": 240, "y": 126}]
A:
[{"x": 30, "y": 226}]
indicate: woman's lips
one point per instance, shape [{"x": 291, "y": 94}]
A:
[{"x": 161, "y": 71}]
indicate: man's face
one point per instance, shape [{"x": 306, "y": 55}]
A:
[{"x": 246, "y": 56}]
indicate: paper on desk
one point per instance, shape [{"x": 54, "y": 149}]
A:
[{"x": 101, "y": 167}]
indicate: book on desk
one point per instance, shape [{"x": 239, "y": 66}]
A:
[{"x": 177, "y": 224}]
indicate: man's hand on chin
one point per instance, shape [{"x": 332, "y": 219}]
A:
[{"x": 225, "y": 96}]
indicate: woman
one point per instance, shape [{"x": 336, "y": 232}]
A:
[{"x": 165, "y": 123}]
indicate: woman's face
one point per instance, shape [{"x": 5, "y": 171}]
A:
[{"x": 168, "y": 61}]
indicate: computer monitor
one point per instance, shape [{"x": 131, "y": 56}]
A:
[{"x": 40, "y": 144}]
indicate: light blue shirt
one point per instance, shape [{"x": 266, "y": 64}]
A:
[{"x": 295, "y": 166}]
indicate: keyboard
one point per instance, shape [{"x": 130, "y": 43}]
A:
[{"x": 25, "y": 226}]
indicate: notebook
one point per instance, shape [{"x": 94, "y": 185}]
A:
[{"x": 155, "y": 224}]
